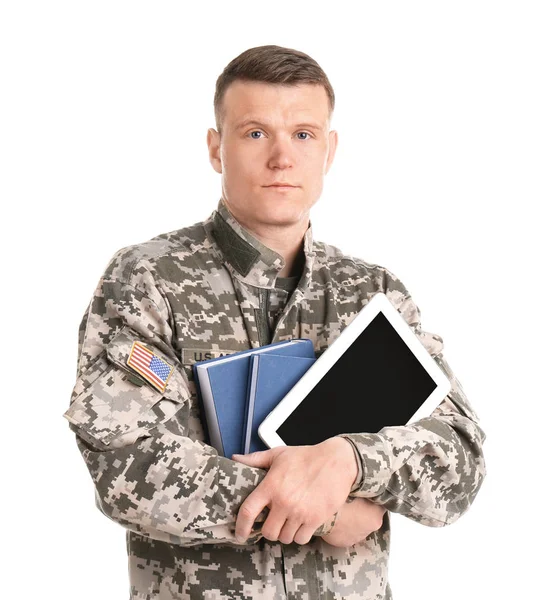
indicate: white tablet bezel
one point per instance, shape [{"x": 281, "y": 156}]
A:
[{"x": 378, "y": 303}]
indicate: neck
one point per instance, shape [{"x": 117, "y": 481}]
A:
[{"x": 286, "y": 240}]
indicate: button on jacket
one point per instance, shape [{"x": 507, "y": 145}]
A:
[{"x": 202, "y": 291}]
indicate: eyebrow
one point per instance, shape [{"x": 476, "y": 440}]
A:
[{"x": 261, "y": 124}]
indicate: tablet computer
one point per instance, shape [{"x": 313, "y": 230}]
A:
[{"x": 377, "y": 373}]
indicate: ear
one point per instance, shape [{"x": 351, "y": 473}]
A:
[
  {"x": 332, "y": 145},
  {"x": 213, "y": 144}
]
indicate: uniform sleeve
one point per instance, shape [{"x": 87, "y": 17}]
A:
[
  {"x": 149, "y": 475},
  {"x": 432, "y": 469}
]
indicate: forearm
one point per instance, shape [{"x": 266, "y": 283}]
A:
[
  {"x": 429, "y": 471},
  {"x": 171, "y": 488}
]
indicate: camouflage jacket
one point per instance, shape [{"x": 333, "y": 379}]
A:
[{"x": 195, "y": 293}]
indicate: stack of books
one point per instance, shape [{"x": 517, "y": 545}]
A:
[{"x": 239, "y": 390}]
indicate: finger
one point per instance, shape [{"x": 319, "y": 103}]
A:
[
  {"x": 288, "y": 531},
  {"x": 249, "y": 511},
  {"x": 303, "y": 534},
  {"x": 261, "y": 459},
  {"x": 273, "y": 525}
]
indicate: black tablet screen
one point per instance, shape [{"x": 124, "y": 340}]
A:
[{"x": 376, "y": 382}]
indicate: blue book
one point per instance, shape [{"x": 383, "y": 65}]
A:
[
  {"x": 271, "y": 377},
  {"x": 222, "y": 384}
]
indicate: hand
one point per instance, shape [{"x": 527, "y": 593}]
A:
[
  {"x": 304, "y": 487},
  {"x": 355, "y": 521}
]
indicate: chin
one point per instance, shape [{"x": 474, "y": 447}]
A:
[{"x": 279, "y": 215}]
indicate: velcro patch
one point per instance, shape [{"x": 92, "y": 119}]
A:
[{"x": 151, "y": 367}]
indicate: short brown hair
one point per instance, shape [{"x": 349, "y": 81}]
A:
[{"x": 271, "y": 64}]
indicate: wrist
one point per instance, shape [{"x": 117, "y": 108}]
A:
[
  {"x": 356, "y": 469},
  {"x": 351, "y": 460}
]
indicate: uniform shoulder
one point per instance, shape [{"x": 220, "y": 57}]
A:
[
  {"x": 334, "y": 257},
  {"x": 177, "y": 243},
  {"x": 348, "y": 269}
]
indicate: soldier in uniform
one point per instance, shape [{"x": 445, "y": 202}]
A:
[{"x": 298, "y": 522}]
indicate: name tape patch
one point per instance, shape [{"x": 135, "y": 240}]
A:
[
  {"x": 190, "y": 356},
  {"x": 151, "y": 367}
]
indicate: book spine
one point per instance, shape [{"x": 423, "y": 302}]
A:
[
  {"x": 252, "y": 384},
  {"x": 215, "y": 438}
]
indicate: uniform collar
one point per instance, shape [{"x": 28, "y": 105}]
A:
[{"x": 252, "y": 261}]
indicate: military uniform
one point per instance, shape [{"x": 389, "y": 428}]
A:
[{"x": 213, "y": 288}]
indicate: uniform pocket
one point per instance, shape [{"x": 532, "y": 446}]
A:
[{"x": 112, "y": 405}]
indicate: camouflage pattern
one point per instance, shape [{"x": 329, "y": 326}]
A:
[{"x": 202, "y": 291}]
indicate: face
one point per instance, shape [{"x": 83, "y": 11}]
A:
[{"x": 272, "y": 134}]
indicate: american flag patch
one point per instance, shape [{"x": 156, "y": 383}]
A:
[{"x": 150, "y": 366}]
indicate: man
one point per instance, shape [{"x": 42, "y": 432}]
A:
[{"x": 301, "y": 522}]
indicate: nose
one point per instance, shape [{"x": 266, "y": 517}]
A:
[{"x": 281, "y": 153}]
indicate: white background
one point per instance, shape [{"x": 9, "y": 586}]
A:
[{"x": 105, "y": 108}]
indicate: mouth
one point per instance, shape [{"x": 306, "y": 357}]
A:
[{"x": 281, "y": 186}]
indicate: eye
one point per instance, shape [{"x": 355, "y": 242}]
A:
[
  {"x": 252, "y": 132},
  {"x": 303, "y": 132}
]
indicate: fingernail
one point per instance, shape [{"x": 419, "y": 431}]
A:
[{"x": 240, "y": 539}]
